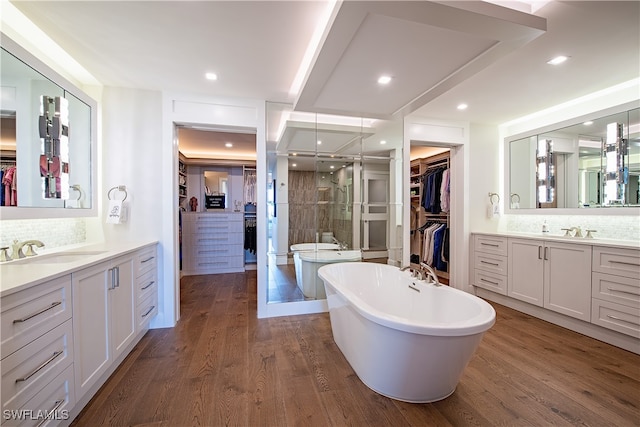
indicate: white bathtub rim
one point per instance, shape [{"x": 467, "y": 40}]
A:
[
  {"x": 313, "y": 247},
  {"x": 330, "y": 256},
  {"x": 471, "y": 326}
]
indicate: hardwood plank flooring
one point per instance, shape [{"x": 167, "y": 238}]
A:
[{"x": 221, "y": 366}]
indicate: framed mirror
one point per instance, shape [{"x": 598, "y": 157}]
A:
[
  {"x": 585, "y": 165},
  {"x": 48, "y": 140}
]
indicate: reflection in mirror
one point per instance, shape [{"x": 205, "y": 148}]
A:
[
  {"x": 580, "y": 165},
  {"x": 333, "y": 186},
  {"x": 46, "y": 139},
  {"x": 216, "y": 189}
]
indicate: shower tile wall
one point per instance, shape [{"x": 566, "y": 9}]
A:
[{"x": 302, "y": 207}]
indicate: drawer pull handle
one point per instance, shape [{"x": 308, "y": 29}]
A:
[
  {"x": 613, "y": 261},
  {"x": 39, "y": 368},
  {"x": 489, "y": 281},
  {"x": 149, "y": 311},
  {"x": 147, "y": 287},
  {"x": 622, "y": 320},
  {"x": 624, "y": 292},
  {"x": 490, "y": 263},
  {"x": 490, "y": 244},
  {"x": 224, "y": 227},
  {"x": 57, "y": 404},
  {"x": 24, "y": 319},
  {"x": 214, "y": 263},
  {"x": 539, "y": 252},
  {"x": 147, "y": 260}
]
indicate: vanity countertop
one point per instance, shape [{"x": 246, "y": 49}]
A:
[
  {"x": 633, "y": 244},
  {"x": 15, "y": 276}
]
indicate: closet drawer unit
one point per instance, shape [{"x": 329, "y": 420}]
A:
[
  {"x": 217, "y": 227},
  {"x": 56, "y": 398},
  {"x": 617, "y": 261},
  {"x": 488, "y": 262},
  {"x": 146, "y": 260},
  {"x": 490, "y": 244},
  {"x": 146, "y": 310},
  {"x": 490, "y": 281},
  {"x": 617, "y": 289},
  {"x": 145, "y": 285},
  {"x": 30, "y": 313},
  {"x": 214, "y": 250},
  {"x": 614, "y": 316},
  {"x": 28, "y": 370}
]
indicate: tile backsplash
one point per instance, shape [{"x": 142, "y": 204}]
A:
[
  {"x": 53, "y": 232},
  {"x": 617, "y": 227}
]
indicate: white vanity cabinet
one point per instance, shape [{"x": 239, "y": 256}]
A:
[
  {"x": 490, "y": 263},
  {"x": 103, "y": 317},
  {"x": 616, "y": 289},
  {"x": 553, "y": 275},
  {"x": 146, "y": 287},
  {"x": 37, "y": 349}
]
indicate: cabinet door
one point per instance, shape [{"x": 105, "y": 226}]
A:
[
  {"x": 122, "y": 305},
  {"x": 525, "y": 271},
  {"x": 567, "y": 279},
  {"x": 90, "y": 289}
]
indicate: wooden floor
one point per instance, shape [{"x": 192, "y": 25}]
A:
[{"x": 222, "y": 366}]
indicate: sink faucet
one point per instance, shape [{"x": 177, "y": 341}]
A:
[
  {"x": 427, "y": 271},
  {"x": 341, "y": 246},
  {"x": 17, "y": 248},
  {"x": 577, "y": 230}
]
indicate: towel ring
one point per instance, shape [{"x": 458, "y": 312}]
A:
[
  {"x": 491, "y": 195},
  {"x": 517, "y": 198},
  {"x": 122, "y": 188}
]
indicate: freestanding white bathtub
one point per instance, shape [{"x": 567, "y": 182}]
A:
[
  {"x": 310, "y": 262},
  {"x": 308, "y": 247},
  {"x": 405, "y": 338}
]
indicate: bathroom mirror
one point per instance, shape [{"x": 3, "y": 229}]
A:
[
  {"x": 579, "y": 164},
  {"x": 335, "y": 186},
  {"x": 216, "y": 190},
  {"x": 26, "y": 153}
]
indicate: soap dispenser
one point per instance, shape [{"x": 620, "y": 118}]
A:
[{"x": 545, "y": 227}]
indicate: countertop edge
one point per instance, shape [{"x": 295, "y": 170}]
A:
[
  {"x": 624, "y": 244},
  {"x": 17, "y": 277}
]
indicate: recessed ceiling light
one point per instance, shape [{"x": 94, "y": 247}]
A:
[
  {"x": 294, "y": 164},
  {"x": 462, "y": 107},
  {"x": 319, "y": 142},
  {"x": 383, "y": 80},
  {"x": 383, "y": 142},
  {"x": 588, "y": 123},
  {"x": 228, "y": 145},
  {"x": 557, "y": 60},
  {"x": 294, "y": 154},
  {"x": 331, "y": 167},
  {"x": 211, "y": 76}
]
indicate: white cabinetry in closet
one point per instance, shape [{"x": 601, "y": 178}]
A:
[
  {"x": 213, "y": 242},
  {"x": 104, "y": 324},
  {"x": 553, "y": 275}
]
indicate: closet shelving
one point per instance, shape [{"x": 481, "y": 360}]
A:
[
  {"x": 418, "y": 170},
  {"x": 182, "y": 179}
]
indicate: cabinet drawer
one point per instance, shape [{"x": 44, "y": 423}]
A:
[
  {"x": 489, "y": 262},
  {"x": 217, "y": 239},
  {"x": 146, "y": 310},
  {"x": 145, "y": 285},
  {"x": 618, "y": 289},
  {"x": 28, "y": 370},
  {"x": 28, "y": 314},
  {"x": 618, "y": 261},
  {"x": 491, "y": 281},
  {"x": 214, "y": 251},
  {"x": 146, "y": 260},
  {"x": 218, "y": 262},
  {"x": 490, "y": 245},
  {"x": 217, "y": 227},
  {"x": 55, "y": 400},
  {"x": 614, "y": 316}
]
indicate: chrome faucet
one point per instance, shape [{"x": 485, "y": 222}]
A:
[
  {"x": 341, "y": 246},
  {"x": 427, "y": 271},
  {"x": 17, "y": 248},
  {"x": 577, "y": 230}
]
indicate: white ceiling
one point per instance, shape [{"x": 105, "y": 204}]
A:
[{"x": 256, "y": 48}]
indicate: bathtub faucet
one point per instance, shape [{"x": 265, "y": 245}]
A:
[
  {"x": 427, "y": 271},
  {"x": 341, "y": 246}
]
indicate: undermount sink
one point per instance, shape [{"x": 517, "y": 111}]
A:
[{"x": 57, "y": 258}]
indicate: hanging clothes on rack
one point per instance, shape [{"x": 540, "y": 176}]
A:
[
  {"x": 431, "y": 190},
  {"x": 433, "y": 248},
  {"x": 250, "y": 235},
  {"x": 10, "y": 185}
]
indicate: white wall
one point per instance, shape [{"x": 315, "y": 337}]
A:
[{"x": 485, "y": 176}]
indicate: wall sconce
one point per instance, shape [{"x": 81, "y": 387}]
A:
[
  {"x": 53, "y": 127},
  {"x": 616, "y": 151},
  {"x": 545, "y": 171}
]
